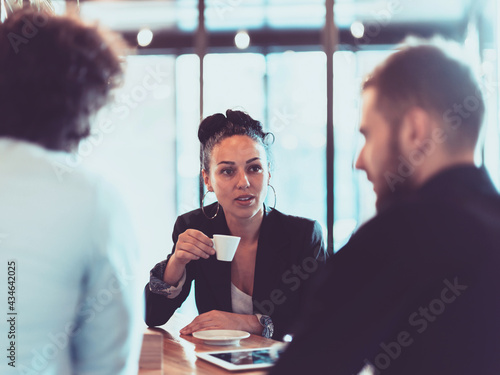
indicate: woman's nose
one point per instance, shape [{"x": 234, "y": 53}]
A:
[{"x": 243, "y": 182}]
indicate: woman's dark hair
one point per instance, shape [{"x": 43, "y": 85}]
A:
[
  {"x": 55, "y": 72},
  {"x": 217, "y": 127}
]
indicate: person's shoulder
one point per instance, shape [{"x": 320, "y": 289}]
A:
[
  {"x": 55, "y": 172},
  {"x": 294, "y": 226},
  {"x": 390, "y": 229},
  {"x": 392, "y": 219},
  {"x": 406, "y": 227},
  {"x": 291, "y": 220},
  {"x": 196, "y": 214},
  {"x": 197, "y": 219}
]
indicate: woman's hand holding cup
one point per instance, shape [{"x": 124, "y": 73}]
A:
[{"x": 191, "y": 245}]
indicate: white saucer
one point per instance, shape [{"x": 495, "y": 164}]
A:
[{"x": 221, "y": 336}]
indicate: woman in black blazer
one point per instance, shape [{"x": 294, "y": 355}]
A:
[{"x": 261, "y": 290}]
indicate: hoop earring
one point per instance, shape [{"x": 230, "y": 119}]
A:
[
  {"x": 203, "y": 208},
  {"x": 274, "y": 191}
]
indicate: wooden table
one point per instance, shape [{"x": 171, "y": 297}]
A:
[{"x": 179, "y": 356}]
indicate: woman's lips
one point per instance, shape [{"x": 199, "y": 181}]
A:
[{"x": 245, "y": 200}]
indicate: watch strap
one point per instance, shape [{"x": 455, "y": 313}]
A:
[{"x": 266, "y": 322}]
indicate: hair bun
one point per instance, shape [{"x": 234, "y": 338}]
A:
[
  {"x": 217, "y": 127},
  {"x": 211, "y": 126},
  {"x": 244, "y": 120}
]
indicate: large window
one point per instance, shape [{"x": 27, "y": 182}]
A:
[
  {"x": 133, "y": 146},
  {"x": 271, "y": 89},
  {"x": 146, "y": 140},
  {"x": 489, "y": 71},
  {"x": 297, "y": 117}
]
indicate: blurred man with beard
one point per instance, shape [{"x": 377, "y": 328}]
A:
[{"x": 416, "y": 289}]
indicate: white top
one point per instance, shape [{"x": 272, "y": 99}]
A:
[
  {"x": 79, "y": 307},
  {"x": 240, "y": 301}
]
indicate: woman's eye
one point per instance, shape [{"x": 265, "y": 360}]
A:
[
  {"x": 255, "y": 168},
  {"x": 226, "y": 171}
]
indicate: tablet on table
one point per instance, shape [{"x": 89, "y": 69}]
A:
[{"x": 242, "y": 359}]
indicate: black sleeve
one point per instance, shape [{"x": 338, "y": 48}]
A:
[{"x": 159, "y": 308}]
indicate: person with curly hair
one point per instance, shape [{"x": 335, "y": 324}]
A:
[
  {"x": 67, "y": 244},
  {"x": 278, "y": 255}
]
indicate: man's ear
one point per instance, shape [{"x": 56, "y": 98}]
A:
[
  {"x": 416, "y": 128},
  {"x": 206, "y": 180}
]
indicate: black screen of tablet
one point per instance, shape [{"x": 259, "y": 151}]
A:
[{"x": 249, "y": 357}]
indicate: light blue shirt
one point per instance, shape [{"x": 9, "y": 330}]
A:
[{"x": 78, "y": 308}]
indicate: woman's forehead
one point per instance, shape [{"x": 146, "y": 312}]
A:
[{"x": 238, "y": 148}]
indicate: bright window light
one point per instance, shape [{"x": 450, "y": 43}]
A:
[
  {"x": 144, "y": 37},
  {"x": 357, "y": 29},
  {"x": 242, "y": 40}
]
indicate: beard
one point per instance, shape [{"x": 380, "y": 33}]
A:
[{"x": 396, "y": 181}]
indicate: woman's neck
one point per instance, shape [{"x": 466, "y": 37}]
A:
[{"x": 248, "y": 229}]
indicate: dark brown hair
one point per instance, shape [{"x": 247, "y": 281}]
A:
[
  {"x": 217, "y": 127},
  {"x": 425, "y": 76},
  {"x": 55, "y": 72}
]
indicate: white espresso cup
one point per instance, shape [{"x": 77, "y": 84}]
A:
[{"x": 225, "y": 246}]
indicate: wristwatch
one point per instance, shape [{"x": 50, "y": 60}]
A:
[{"x": 266, "y": 322}]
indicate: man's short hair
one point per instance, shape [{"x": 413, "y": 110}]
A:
[
  {"x": 55, "y": 72},
  {"x": 426, "y": 76}
]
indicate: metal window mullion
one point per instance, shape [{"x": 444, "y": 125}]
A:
[
  {"x": 330, "y": 41},
  {"x": 201, "y": 50}
]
